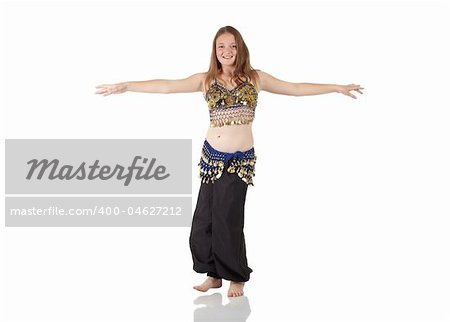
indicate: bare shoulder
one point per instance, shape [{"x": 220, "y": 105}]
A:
[
  {"x": 254, "y": 78},
  {"x": 193, "y": 83},
  {"x": 274, "y": 85},
  {"x": 257, "y": 79},
  {"x": 199, "y": 78},
  {"x": 261, "y": 75},
  {"x": 203, "y": 81}
]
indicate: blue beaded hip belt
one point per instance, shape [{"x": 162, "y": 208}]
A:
[{"x": 213, "y": 162}]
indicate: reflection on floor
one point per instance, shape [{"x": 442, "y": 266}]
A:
[{"x": 237, "y": 310}]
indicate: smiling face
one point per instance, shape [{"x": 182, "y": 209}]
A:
[{"x": 226, "y": 49}]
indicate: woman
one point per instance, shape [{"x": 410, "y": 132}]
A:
[{"x": 227, "y": 162}]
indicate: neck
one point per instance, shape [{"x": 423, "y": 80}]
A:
[{"x": 227, "y": 71}]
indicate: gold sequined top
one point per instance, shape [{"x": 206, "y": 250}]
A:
[{"x": 228, "y": 107}]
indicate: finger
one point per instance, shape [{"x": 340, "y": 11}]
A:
[
  {"x": 107, "y": 86},
  {"x": 104, "y": 89}
]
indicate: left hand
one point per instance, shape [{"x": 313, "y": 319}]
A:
[{"x": 345, "y": 89}]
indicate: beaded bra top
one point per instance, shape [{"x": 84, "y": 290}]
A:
[{"x": 228, "y": 107}]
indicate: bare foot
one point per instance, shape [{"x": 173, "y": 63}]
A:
[
  {"x": 210, "y": 282},
  {"x": 236, "y": 289}
]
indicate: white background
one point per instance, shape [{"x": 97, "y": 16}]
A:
[{"x": 349, "y": 215}]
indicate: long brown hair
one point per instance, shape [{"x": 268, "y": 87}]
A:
[{"x": 243, "y": 69}]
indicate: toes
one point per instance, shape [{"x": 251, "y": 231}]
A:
[
  {"x": 234, "y": 293},
  {"x": 199, "y": 288}
]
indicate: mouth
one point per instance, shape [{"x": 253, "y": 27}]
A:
[{"x": 227, "y": 57}]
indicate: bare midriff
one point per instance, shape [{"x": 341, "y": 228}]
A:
[{"x": 231, "y": 138}]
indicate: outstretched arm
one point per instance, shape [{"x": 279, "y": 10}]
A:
[
  {"x": 277, "y": 86},
  {"x": 192, "y": 83}
]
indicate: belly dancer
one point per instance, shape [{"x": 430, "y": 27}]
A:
[{"x": 227, "y": 159}]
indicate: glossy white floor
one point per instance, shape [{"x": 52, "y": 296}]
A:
[{"x": 341, "y": 268}]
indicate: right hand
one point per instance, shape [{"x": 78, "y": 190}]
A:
[{"x": 108, "y": 89}]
